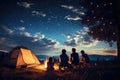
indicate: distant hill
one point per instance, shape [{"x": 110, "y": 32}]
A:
[
  {"x": 92, "y": 57},
  {"x": 42, "y": 57},
  {"x": 101, "y": 57}
]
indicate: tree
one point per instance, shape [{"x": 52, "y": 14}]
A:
[{"x": 103, "y": 18}]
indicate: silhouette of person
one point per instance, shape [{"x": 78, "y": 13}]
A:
[
  {"x": 63, "y": 60},
  {"x": 74, "y": 58},
  {"x": 84, "y": 59},
  {"x": 50, "y": 64}
]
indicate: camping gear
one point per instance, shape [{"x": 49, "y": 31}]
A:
[{"x": 21, "y": 57}]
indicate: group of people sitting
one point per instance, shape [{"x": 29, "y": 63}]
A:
[{"x": 73, "y": 62}]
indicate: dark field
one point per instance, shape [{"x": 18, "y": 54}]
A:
[{"x": 100, "y": 71}]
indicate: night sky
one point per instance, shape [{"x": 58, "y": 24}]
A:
[{"x": 47, "y": 26}]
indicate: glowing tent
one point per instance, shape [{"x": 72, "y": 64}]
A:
[{"x": 21, "y": 57}]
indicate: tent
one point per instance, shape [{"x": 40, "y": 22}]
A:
[{"x": 21, "y": 57}]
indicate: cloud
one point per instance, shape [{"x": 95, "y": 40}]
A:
[
  {"x": 37, "y": 13},
  {"x": 89, "y": 43},
  {"x": 80, "y": 38},
  {"x": 5, "y": 29},
  {"x": 21, "y": 21},
  {"x": 67, "y": 7},
  {"x": 20, "y": 28},
  {"x": 26, "y": 34},
  {"x": 25, "y": 4},
  {"x": 73, "y": 18},
  {"x": 105, "y": 51},
  {"x": 39, "y": 35},
  {"x": 112, "y": 51},
  {"x": 37, "y": 42},
  {"x": 72, "y": 42},
  {"x": 80, "y": 12},
  {"x": 73, "y": 9}
]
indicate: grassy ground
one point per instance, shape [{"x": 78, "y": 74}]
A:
[{"x": 103, "y": 71}]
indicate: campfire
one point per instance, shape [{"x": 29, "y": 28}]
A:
[
  {"x": 56, "y": 65},
  {"x": 45, "y": 63},
  {"x": 44, "y": 66}
]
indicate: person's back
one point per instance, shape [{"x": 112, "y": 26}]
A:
[
  {"x": 64, "y": 59},
  {"x": 84, "y": 59},
  {"x": 85, "y": 56},
  {"x": 74, "y": 57},
  {"x": 50, "y": 64}
]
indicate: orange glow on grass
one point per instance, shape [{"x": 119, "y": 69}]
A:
[
  {"x": 43, "y": 67},
  {"x": 56, "y": 66},
  {"x": 40, "y": 67}
]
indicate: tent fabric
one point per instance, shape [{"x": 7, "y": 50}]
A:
[
  {"x": 20, "y": 60},
  {"x": 27, "y": 56},
  {"x": 22, "y": 56}
]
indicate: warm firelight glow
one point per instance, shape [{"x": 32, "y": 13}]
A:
[
  {"x": 45, "y": 63},
  {"x": 40, "y": 67},
  {"x": 56, "y": 66},
  {"x": 44, "y": 66}
]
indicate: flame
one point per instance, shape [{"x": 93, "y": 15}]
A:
[
  {"x": 56, "y": 66},
  {"x": 44, "y": 66},
  {"x": 45, "y": 63}
]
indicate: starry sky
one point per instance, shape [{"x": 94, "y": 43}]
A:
[{"x": 47, "y": 26}]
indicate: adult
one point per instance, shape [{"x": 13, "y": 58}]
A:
[
  {"x": 84, "y": 59},
  {"x": 63, "y": 60},
  {"x": 74, "y": 58}
]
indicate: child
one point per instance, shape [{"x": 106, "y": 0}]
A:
[{"x": 50, "y": 64}]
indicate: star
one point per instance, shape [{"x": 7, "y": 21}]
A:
[
  {"x": 88, "y": 20},
  {"x": 91, "y": 3},
  {"x": 110, "y": 22},
  {"x": 98, "y": 6},
  {"x": 114, "y": 33},
  {"x": 110, "y": 3},
  {"x": 102, "y": 18},
  {"x": 101, "y": 29},
  {"x": 105, "y": 4},
  {"x": 104, "y": 24},
  {"x": 94, "y": 17}
]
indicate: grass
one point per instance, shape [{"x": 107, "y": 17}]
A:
[{"x": 101, "y": 71}]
